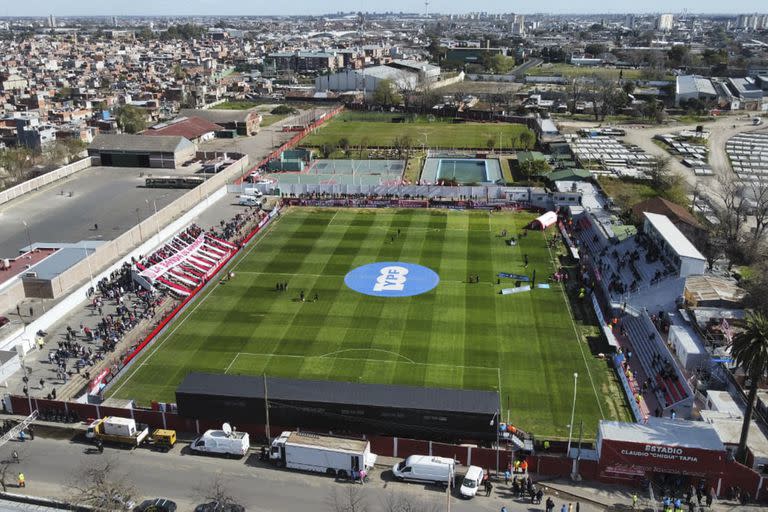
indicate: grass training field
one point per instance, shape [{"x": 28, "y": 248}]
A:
[
  {"x": 456, "y": 335},
  {"x": 380, "y": 131}
]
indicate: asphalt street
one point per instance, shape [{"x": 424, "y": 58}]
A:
[{"x": 53, "y": 466}]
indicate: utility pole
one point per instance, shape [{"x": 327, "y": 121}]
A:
[{"x": 266, "y": 408}]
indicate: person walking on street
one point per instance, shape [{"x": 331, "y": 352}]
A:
[
  {"x": 506, "y": 477},
  {"x": 634, "y": 500},
  {"x": 488, "y": 487},
  {"x": 22, "y": 480},
  {"x": 563, "y": 508},
  {"x": 570, "y": 507}
]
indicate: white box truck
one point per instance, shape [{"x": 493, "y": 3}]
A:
[
  {"x": 322, "y": 454},
  {"x": 112, "y": 429},
  {"x": 222, "y": 442},
  {"x": 425, "y": 468}
]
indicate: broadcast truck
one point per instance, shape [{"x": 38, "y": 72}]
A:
[
  {"x": 112, "y": 429},
  {"x": 335, "y": 456}
]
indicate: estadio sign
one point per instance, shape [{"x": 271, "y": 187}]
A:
[{"x": 662, "y": 458}]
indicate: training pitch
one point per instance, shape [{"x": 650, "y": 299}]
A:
[
  {"x": 379, "y": 131},
  {"x": 453, "y": 334}
]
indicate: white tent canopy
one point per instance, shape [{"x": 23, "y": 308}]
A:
[{"x": 546, "y": 220}]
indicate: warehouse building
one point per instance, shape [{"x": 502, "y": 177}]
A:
[
  {"x": 193, "y": 128},
  {"x": 688, "y": 87},
  {"x": 123, "y": 150}
]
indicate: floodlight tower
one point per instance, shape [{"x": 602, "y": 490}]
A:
[{"x": 426, "y": 8}]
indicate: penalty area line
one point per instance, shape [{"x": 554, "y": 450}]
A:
[{"x": 325, "y": 356}]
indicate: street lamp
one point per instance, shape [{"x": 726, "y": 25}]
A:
[
  {"x": 573, "y": 411},
  {"x": 29, "y": 239},
  {"x": 493, "y": 422}
]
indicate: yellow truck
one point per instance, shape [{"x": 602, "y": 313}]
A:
[{"x": 112, "y": 429}]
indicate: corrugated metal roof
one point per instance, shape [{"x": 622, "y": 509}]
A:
[
  {"x": 219, "y": 116},
  {"x": 189, "y": 128},
  {"x": 663, "y": 431},
  {"x": 375, "y": 395},
  {"x": 139, "y": 143},
  {"x": 61, "y": 260}
]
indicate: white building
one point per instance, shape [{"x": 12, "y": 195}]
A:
[
  {"x": 405, "y": 75},
  {"x": 674, "y": 245},
  {"x": 665, "y": 22},
  {"x": 689, "y": 87}
]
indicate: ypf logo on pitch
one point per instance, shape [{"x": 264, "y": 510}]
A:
[{"x": 391, "y": 279}]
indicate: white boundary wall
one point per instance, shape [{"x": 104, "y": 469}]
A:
[{"x": 45, "y": 179}]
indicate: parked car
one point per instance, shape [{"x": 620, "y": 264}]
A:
[
  {"x": 156, "y": 505},
  {"x": 4, "y": 320},
  {"x": 215, "y": 506}
]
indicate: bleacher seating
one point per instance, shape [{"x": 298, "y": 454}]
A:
[
  {"x": 656, "y": 361},
  {"x": 185, "y": 276}
]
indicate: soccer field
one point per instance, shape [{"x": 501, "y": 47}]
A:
[
  {"x": 433, "y": 135},
  {"x": 459, "y": 334}
]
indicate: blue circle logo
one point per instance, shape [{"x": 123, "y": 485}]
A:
[{"x": 391, "y": 279}]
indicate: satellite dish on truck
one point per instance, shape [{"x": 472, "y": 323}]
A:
[{"x": 227, "y": 429}]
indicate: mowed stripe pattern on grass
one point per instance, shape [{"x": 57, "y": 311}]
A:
[
  {"x": 439, "y": 135},
  {"x": 458, "y": 335}
]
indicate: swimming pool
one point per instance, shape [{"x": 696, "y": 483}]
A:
[{"x": 462, "y": 170}]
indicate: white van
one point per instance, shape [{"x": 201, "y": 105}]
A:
[
  {"x": 423, "y": 468},
  {"x": 248, "y": 201},
  {"x": 472, "y": 481},
  {"x": 223, "y": 442}
]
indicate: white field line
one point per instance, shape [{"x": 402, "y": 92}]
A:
[
  {"x": 368, "y": 350},
  {"x": 578, "y": 341},
  {"x": 187, "y": 314},
  {"x": 324, "y": 356},
  {"x": 231, "y": 363}
]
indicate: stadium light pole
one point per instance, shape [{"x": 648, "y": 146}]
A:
[
  {"x": 573, "y": 412},
  {"x": 29, "y": 238},
  {"x": 495, "y": 423}
]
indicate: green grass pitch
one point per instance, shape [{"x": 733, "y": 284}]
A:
[
  {"x": 438, "y": 134},
  {"x": 457, "y": 335}
]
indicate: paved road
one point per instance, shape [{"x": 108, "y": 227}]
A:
[
  {"x": 525, "y": 66},
  {"x": 51, "y": 466},
  {"x": 268, "y": 139}
]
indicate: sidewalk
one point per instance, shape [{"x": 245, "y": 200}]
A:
[{"x": 616, "y": 497}]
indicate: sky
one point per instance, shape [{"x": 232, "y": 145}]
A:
[{"x": 257, "y": 7}]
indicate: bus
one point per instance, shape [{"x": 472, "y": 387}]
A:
[{"x": 174, "y": 181}]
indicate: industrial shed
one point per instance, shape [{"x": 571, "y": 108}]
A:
[
  {"x": 125, "y": 150},
  {"x": 407, "y": 411}
]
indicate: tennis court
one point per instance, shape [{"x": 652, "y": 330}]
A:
[{"x": 461, "y": 170}]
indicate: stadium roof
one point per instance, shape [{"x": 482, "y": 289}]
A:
[
  {"x": 373, "y": 395},
  {"x": 187, "y": 127},
  {"x": 138, "y": 143},
  {"x": 676, "y": 240},
  {"x": 663, "y": 431}
]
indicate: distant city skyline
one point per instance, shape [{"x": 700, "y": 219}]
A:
[{"x": 43, "y": 8}]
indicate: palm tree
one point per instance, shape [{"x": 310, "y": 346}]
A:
[{"x": 750, "y": 351}]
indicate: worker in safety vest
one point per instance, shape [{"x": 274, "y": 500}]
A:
[{"x": 22, "y": 482}]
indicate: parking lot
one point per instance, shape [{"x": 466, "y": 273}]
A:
[{"x": 68, "y": 210}]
